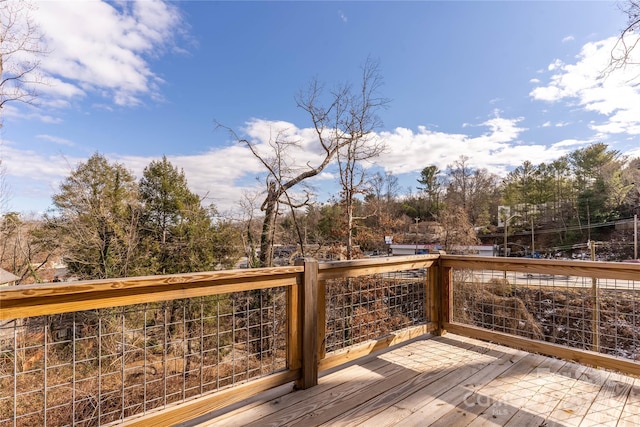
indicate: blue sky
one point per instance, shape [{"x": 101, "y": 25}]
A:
[{"x": 499, "y": 82}]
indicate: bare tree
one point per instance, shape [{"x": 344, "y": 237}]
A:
[
  {"x": 336, "y": 125},
  {"x": 359, "y": 144},
  {"x": 457, "y": 229},
  {"x": 249, "y": 206},
  {"x": 5, "y": 191},
  {"x": 26, "y": 247},
  {"x": 621, "y": 53},
  {"x": 21, "y": 48},
  {"x": 472, "y": 189}
]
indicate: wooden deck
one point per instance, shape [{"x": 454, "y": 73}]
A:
[{"x": 449, "y": 381}]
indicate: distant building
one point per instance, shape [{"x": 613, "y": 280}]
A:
[
  {"x": 7, "y": 278},
  {"x": 420, "y": 249}
]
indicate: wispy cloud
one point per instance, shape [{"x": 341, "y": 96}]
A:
[
  {"x": 107, "y": 54},
  {"x": 568, "y": 39},
  {"x": 220, "y": 174},
  {"x": 56, "y": 140},
  {"x": 614, "y": 95},
  {"x": 343, "y": 17}
]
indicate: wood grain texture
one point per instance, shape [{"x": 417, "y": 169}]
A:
[
  {"x": 598, "y": 269},
  {"x": 309, "y": 306},
  {"x": 450, "y": 381},
  {"x": 186, "y": 411},
  {"x": 362, "y": 267},
  {"x": 369, "y": 347},
  {"x": 584, "y": 357},
  {"x": 53, "y": 298}
]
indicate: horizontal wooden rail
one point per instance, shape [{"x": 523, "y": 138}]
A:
[
  {"x": 362, "y": 267},
  {"x": 597, "y": 269},
  {"x": 181, "y": 412},
  {"x": 584, "y": 357},
  {"x": 306, "y": 315},
  {"x": 362, "y": 350},
  {"x": 53, "y": 298}
]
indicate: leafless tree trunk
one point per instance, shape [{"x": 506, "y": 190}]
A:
[
  {"x": 249, "y": 208},
  {"x": 346, "y": 118},
  {"x": 359, "y": 144}
]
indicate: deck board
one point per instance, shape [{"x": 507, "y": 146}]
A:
[{"x": 451, "y": 381}]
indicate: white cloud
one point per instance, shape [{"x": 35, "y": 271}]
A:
[
  {"x": 614, "y": 95},
  {"x": 568, "y": 39},
  {"x": 546, "y": 124},
  {"x": 536, "y": 81},
  {"x": 410, "y": 151},
  {"x": 102, "y": 47},
  {"x": 555, "y": 65},
  {"x": 566, "y": 143},
  {"x": 12, "y": 111},
  {"x": 56, "y": 140},
  {"x": 221, "y": 174}
]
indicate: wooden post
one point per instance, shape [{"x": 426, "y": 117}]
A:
[
  {"x": 322, "y": 319},
  {"x": 635, "y": 236},
  {"x": 432, "y": 286},
  {"x": 446, "y": 298},
  {"x": 294, "y": 324},
  {"x": 309, "y": 316}
]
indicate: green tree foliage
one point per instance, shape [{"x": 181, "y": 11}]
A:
[
  {"x": 432, "y": 188},
  {"x": 331, "y": 225},
  {"x": 598, "y": 181},
  {"x": 109, "y": 226},
  {"x": 177, "y": 233},
  {"x": 97, "y": 219},
  {"x": 590, "y": 185}
]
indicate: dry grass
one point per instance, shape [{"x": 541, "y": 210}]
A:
[{"x": 560, "y": 315}]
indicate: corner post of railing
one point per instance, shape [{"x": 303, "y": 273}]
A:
[
  {"x": 446, "y": 297},
  {"x": 309, "y": 323},
  {"x": 433, "y": 292}
]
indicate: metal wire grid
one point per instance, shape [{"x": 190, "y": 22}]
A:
[
  {"x": 362, "y": 308},
  {"x": 557, "y": 309},
  {"x": 96, "y": 367}
]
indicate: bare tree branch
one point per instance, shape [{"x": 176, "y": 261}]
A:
[
  {"x": 21, "y": 48},
  {"x": 346, "y": 119}
]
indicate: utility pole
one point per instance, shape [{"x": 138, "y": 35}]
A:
[
  {"x": 506, "y": 231},
  {"x": 635, "y": 236},
  {"x": 416, "y": 250}
]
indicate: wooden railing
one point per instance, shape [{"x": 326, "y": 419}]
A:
[
  {"x": 546, "y": 301},
  {"x": 281, "y": 325}
]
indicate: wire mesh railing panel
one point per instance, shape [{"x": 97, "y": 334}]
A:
[
  {"x": 363, "y": 308},
  {"x": 97, "y": 367},
  {"x": 585, "y": 313}
]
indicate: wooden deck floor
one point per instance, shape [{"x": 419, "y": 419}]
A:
[{"x": 451, "y": 381}]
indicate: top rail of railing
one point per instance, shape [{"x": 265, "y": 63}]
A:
[
  {"x": 53, "y": 298},
  {"x": 597, "y": 269},
  {"x": 306, "y": 316},
  {"x": 378, "y": 265}
]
